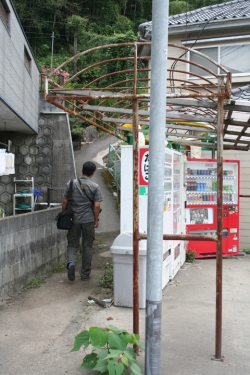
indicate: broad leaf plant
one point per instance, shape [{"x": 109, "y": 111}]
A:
[{"x": 111, "y": 354}]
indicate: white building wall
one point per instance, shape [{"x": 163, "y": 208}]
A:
[{"x": 19, "y": 88}]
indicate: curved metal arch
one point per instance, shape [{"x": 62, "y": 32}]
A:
[{"x": 96, "y": 105}]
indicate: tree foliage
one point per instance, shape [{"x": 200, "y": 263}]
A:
[{"x": 94, "y": 21}]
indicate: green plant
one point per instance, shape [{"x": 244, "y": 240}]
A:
[
  {"x": 246, "y": 251},
  {"x": 190, "y": 256},
  {"x": 106, "y": 280},
  {"x": 34, "y": 283},
  {"x": 111, "y": 354}
]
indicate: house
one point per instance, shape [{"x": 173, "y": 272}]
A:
[
  {"x": 220, "y": 32},
  {"x": 19, "y": 76}
]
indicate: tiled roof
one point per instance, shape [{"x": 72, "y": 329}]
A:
[
  {"x": 230, "y": 10},
  {"x": 241, "y": 93}
]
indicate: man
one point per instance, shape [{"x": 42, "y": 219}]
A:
[{"x": 86, "y": 198}]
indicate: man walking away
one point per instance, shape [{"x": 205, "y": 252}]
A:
[{"x": 86, "y": 198}]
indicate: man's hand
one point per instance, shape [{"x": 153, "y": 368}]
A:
[
  {"x": 64, "y": 204},
  {"x": 96, "y": 212}
]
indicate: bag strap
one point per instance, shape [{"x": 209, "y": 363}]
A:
[
  {"x": 69, "y": 199},
  {"x": 70, "y": 190},
  {"x": 84, "y": 191}
]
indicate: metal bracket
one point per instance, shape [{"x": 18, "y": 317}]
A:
[{"x": 222, "y": 359}]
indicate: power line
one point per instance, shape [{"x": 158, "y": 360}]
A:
[{"x": 32, "y": 19}]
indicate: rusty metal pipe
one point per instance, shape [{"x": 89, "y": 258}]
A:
[
  {"x": 181, "y": 237},
  {"x": 135, "y": 221}
]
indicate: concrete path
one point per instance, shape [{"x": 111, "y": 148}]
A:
[
  {"x": 38, "y": 326},
  {"x": 109, "y": 218}
]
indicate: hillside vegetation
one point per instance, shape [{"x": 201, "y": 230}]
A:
[{"x": 82, "y": 24}]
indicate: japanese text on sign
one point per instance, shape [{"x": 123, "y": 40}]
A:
[{"x": 144, "y": 167}]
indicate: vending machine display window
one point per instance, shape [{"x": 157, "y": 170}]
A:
[{"x": 199, "y": 216}]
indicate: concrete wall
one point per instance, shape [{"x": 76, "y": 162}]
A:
[
  {"x": 48, "y": 157},
  {"x": 18, "y": 85},
  {"x": 31, "y": 246}
]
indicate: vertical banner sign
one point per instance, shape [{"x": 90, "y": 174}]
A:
[{"x": 143, "y": 170}]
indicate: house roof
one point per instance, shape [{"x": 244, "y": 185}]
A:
[
  {"x": 237, "y": 10},
  {"x": 230, "y": 10},
  {"x": 241, "y": 93}
]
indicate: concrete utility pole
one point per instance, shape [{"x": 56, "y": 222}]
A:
[
  {"x": 75, "y": 52},
  {"x": 156, "y": 186},
  {"x": 52, "y": 43},
  {"x": 52, "y": 49}
]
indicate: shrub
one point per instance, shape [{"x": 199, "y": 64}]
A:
[{"x": 190, "y": 256}]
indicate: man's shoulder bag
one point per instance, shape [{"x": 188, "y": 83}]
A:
[{"x": 65, "y": 218}]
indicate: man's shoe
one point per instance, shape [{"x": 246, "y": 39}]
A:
[
  {"x": 85, "y": 278},
  {"x": 71, "y": 271}
]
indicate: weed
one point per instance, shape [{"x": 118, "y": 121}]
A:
[
  {"x": 34, "y": 283},
  {"x": 110, "y": 352},
  {"x": 106, "y": 280},
  {"x": 60, "y": 268},
  {"x": 190, "y": 256},
  {"x": 246, "y": 251}
]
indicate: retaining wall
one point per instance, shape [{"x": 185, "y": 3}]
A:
[{"x": 30, "y": 246}]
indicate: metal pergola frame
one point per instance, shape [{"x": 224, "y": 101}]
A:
[{"x": 191, "y": 106}]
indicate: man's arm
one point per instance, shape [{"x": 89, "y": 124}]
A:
[
  {"x": 64, "y": 204},
  {"x": 96, "y": 212}
]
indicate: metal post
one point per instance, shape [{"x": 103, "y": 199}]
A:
[
  {"x": 155, "y": 186},
  {"x": 135, "y": 206},
  {"x": 218, "y": 333},
  {"x": 135, "y": 222}
]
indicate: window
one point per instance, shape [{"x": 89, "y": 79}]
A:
[
  {"x": 4, "y": 13},
  {"x": 27, "y": 59},
  {"x": 234, "y": 58}
]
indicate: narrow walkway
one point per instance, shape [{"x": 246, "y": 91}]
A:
[{"x": 109, "y": 218}]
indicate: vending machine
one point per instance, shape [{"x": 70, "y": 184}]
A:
[
  {"x": 201, "y": 205},
  {"x": 174, "y": 220},
  {"x": 172, "y": 208}
]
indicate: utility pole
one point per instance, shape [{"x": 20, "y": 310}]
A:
[
  {"x": 52, "y": 43},
  {"x": 52, "y": 49},
  {"x": 75, "y": 52},
  {"x": 156, "y": 186}
]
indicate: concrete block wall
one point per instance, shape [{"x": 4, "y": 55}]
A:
[{"x": 31, "y": 246}]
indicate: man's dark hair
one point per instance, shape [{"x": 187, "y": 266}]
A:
[{"x": 88, "y": 168}]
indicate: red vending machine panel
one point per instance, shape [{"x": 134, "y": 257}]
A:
[{"x": 201, "y": 205}]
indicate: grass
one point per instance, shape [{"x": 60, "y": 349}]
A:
[
  {"x": 247, "y": 251},
  {"x": 106, "y": 279},
  {"x": 34, "y": 283}
]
